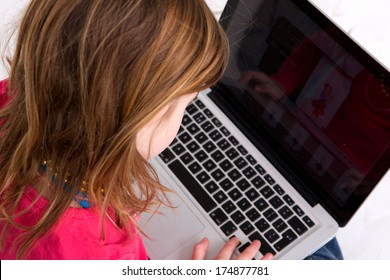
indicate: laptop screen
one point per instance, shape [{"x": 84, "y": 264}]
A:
[{"x": 314, "y": 102}]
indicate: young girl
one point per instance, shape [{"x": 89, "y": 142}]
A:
[{"x": 96, "y": 89}]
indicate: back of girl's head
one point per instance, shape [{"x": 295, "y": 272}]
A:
[{"x": 86, "y": 76}]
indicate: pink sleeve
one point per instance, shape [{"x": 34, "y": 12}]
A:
[{"x": 3, "y": 93}]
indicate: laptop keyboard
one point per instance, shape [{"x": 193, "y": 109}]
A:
[{"x": 230, "y": 185}]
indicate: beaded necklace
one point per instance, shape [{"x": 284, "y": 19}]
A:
[{"x": 81, "y": 196}]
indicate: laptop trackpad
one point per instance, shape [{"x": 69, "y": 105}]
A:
[{"x": 170, "y": 229}]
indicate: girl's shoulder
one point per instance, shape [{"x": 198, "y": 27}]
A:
[
  {"x": 3, "y": 86},
  {"x": 77, "y": 234}
]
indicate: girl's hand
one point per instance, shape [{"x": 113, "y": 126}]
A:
[{"x": 226, "y": 253}]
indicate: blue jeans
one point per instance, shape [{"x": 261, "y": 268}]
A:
[{"x": 330, "y": 251}]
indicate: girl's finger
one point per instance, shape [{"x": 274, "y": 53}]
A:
[
  {"x": 200, "y": 250},
  {"x": 227, "y": 250},
  {"x": 250, "y": 251},
  {"x": 268, "y": 256}
]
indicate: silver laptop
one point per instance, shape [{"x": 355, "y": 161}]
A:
[{"x": 285, "y": 148}]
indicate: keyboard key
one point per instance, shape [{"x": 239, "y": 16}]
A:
[
  {"x": 186, "y": 120},
  {"x": 243, "y": 204},
  {"x": 185, "y": 137},
  {"x": 208, "y": 113},
  {"x": 308, "y": 221},
  {"x": 262, "y": 225},
  {"x": 269, "y": 179},
  {"x": 209, "y": 146},
  {"x": 252, "y": 214},
  {"x": 193, "y": 129},
  {"x": 252, "y": 194},
  {"x": 217, "y": 174},
  {"x": 194, "y": 167},
  {"x": 232, "y": 153},
  {"x": 225, "y": 131},
  {"x": 278, "y": 189},
  {"x": 267, "y": 192},
  {"x": 270, "y": 215},
  {"x": 271, "y": 236},
  {"x": 237, "y": 217},
  {"x": 211, "y": 187},
  {"x": 288, "y": 237},
  {"x": 260, "y": 169},
  {"x": 209, "y": 165},
  {"x": 298, "y": 210},
  {"x": 247, "y": 227},
  {"x": 192, "y": 186},
  {"x": 203, "y": 177},
  {"x": 279, "y": 225},
  {"x": 207, "y": 126},
  {"x": 229, "y": 207},
  {"x": 243, "y": 247},
  {"x": 167, "y": 155},
  {"x": 276, "y": 202},
  {"x": 242, "y": 150},
  {"x": 235, "y": 194},
  {"x": 226, "y": 165},
  {"x": 187, "y": 158},
  {"x": 228, "y": 228},
  {"x": 178, "y": 149},
  {"x": 218, "y": 216},
  {"x": 199, "y": 118},
  {"x": 265, "y": 247},
  {"x": 288, "y": 200},
  {"x": 191, "y": 109},
  {"x": 201, "y": 137},
  {"x": 251, "y": 159},
  {"x": 297, "y": 225},
  {"x": 223, "y": 144},
  {"x": 216, "y": 122},
  {"x": 201, "y": 156},
  {"x": 193, "y": 147},
  {"x": 233, "y": 140},
  {"x": 215, "y": 135},
  {"x": 200, "y": 104},
  {"x": 249, "y": 172},
  {"x": 261, "y": 204},
  {"x": 220, "y": 197},
  {"x": 234, "y": 175},
  {"x": 285, "y": 212},
  {"x": 226, "y": 184},
  {"x": 258, "y": 182},
  {"x": 243, "y": 184},
  {"x": 217, "y": 156},
  {"x": 240, "y": 163}
]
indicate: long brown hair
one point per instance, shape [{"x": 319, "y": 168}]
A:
[{"x": 85, "y": 77}]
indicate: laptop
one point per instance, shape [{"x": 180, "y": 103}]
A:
[{"x": 285, "y": 148}]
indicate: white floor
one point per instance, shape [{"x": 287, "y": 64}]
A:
[{"x": 366, "y": 236}]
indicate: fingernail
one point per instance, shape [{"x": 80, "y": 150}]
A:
[{"x": 269, "y": 256}]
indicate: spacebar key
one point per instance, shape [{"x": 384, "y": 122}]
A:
[{"x": 192, "y": 186}]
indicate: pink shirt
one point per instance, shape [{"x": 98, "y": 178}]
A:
[{"x": 76, "y": 235}]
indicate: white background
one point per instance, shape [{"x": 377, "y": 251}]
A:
[{"x": 368, "y": 22}]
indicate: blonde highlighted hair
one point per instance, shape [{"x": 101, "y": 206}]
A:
[{"x": 85, "y": 77}]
